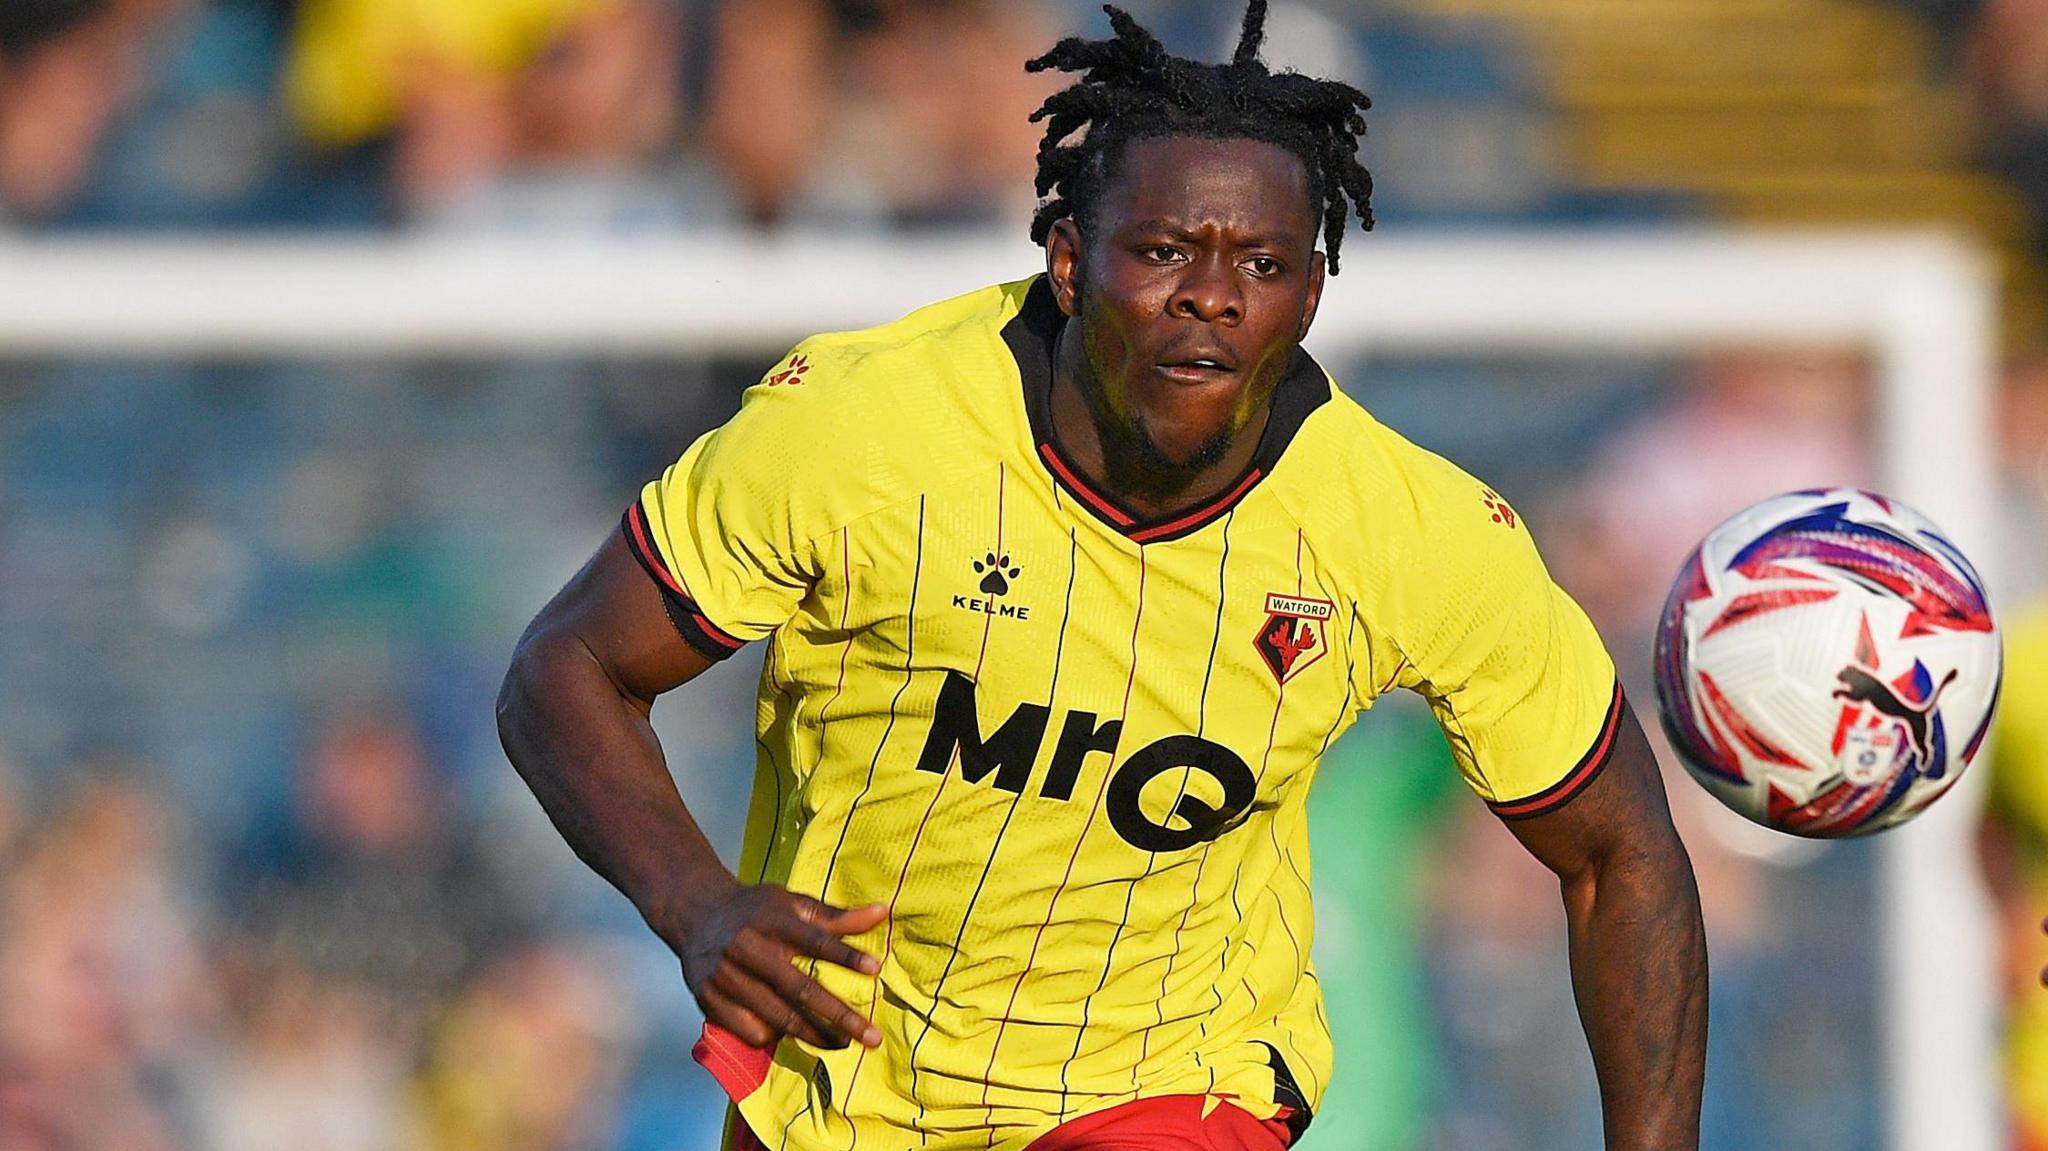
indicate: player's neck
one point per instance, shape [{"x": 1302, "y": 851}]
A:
[{"x": 1093, "y": 444}]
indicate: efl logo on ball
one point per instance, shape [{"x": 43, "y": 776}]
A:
[{"x": 1827, "y": 663}]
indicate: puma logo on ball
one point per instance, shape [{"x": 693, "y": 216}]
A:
[{"x": 1860, "y": 686}]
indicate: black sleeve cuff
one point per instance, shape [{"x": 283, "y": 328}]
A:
[
  {"x": 690, "y": 621},
  {"x": 1576, "y": 780}
]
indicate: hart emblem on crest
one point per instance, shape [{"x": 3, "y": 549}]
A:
[{"x": 1294, "y": 635}]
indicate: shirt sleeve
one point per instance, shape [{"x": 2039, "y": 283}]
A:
[
  {"x": 1515, "y": 672},
  {"x": 726, "y": 532}
]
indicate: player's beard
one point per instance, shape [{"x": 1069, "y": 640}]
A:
[
  {"x": 1134, "y": 458},
  {"x": 1130, "y": 452},
  {"x": 1155, "y": 460}
]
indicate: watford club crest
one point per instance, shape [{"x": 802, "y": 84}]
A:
[{"x": 1294, "y": 635}]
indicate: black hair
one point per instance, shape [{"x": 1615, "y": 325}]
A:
[{"x": 1132, "y": 89}]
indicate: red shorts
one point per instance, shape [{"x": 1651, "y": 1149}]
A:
[{"x": 1165, "y": 1123}]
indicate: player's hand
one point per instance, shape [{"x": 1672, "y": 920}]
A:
[{"x": 739, "y": 957}]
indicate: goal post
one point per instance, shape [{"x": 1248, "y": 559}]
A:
[{"x": 1922, "y": 305}]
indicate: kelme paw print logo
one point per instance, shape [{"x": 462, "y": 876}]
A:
[
  {"x": 999, "y": 574},
  {"x": 791, "y": 373},
  {"x": 1502, "y": 513}
]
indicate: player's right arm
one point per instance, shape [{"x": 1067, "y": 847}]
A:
[
  {"x": 716, "y": 552},
  {"x": 573, "y": 716}
]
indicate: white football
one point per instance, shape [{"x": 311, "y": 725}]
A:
[{"x": 1827, "y": 663}]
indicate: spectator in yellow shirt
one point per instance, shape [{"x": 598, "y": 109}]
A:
[{"x": 468, "y": 89}]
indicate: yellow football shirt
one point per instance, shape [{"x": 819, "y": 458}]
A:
[{"x": 1068, "y": 745}]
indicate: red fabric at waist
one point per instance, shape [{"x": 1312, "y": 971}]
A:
[{"x": 1165, "y": 1123}]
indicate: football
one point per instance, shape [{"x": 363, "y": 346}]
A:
[{"x": 1827, "y": 663}]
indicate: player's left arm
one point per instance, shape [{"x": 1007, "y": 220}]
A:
[
  {"x": 1526, "y": 692},
  {"x": 1638, "y": 946}
]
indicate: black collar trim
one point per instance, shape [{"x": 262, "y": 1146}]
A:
[{"x": 1033, "y": 335}]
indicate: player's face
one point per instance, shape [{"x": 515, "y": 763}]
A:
[{"x": 1192, "y": 289}]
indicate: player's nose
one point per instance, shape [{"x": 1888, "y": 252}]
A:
[{"x": 1209, "y": 292}]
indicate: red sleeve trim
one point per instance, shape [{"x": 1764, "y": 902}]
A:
[
  {"x": 1577, "y": 779},
  {"x": 649, "y": 555},
  {"x": 690, "y": 621},
  {"x": 739, "y": 1069}
]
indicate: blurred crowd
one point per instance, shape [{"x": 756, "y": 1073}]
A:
[
  {"x": 2006, "y": 62},
  {"x": 265, "y": 880},
  {"x": 672, "y": 114},
  {"x": 720, "y": 113},
  {"x": 607, "y": 113},
  {"x": 361, "y": 981}
]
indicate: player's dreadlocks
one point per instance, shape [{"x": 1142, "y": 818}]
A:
[{"x": 1131, "y": 89}]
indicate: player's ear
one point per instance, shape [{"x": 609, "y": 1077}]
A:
[
  {"x": 1063, "y": 263},
  {"x": 1318, "y": 271}
]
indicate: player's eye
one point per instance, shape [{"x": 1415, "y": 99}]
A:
[
  {"x": 1265, "y": 266},
  {"x": 1161, "y": 253}
]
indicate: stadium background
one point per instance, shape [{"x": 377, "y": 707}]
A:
[{"x": 265, "y": 879}]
